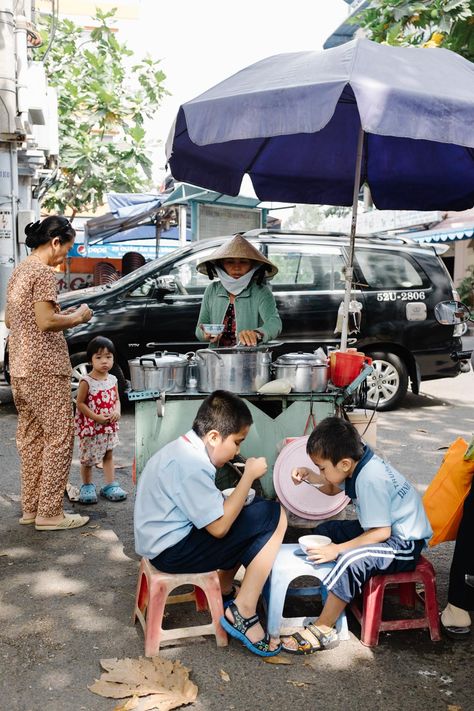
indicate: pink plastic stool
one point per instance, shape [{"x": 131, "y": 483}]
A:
[
  {"x": 370, "y": 616},
  {"x": 153, "y": 588}
]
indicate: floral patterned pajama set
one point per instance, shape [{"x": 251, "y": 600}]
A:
[{"x": 41, "y": 384}]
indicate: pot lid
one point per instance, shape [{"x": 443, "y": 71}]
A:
[
  {"x": 304, "y": 501},
  {"x": 300, "y": 358},
  {"x": 155, "y": 360}
]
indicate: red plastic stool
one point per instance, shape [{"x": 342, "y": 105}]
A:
[
  {"x": 153, "y": 588},
  {"x": 370, "y": 616}
]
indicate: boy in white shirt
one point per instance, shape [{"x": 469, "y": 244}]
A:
[
  {"x": 183, "y": 524},
  {"x": 388, "y": 537}
]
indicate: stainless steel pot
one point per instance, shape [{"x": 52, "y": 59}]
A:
[
  {"x": 137, "y": 375},
  {"x": 305, "y": 371},
  {"x": 240, "y": 370},
  {"x": 165, "y": 372}
]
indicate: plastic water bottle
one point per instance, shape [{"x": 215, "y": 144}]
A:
[{"x": 192, "y": 375}]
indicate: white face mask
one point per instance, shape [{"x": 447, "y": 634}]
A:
[{"x": 235, "y": 286}]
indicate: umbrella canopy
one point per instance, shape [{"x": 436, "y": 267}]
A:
[{"x": 292, "y": 122}]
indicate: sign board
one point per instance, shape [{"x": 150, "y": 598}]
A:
[
  {"x": 384, "y": 221},
  {"x": 118, "y": 249}
]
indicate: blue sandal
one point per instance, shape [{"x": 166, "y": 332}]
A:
[
  {"x": 87, "y": 494},
  {"x": 238, "y": 630},
  {"x": 113, "y": 492}
]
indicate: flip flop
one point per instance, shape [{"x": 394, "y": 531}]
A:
[
  {"x": 113, "y": 492},
  {"x": 238, "y": 629},
  {"x": 26, "y": 521},
  {"x": 69, "y": 521}
]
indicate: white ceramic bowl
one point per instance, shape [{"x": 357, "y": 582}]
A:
[
  {"x": 213, "y": 328},
  {"x": 313, "y": 541},
  {"x": 250, "y": 496}
]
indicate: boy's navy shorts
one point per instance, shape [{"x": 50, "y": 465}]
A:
[
  {"x": 354, "y": 567},
  {"x": 199, "y": 552}
]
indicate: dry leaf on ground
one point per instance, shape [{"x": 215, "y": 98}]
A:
[
  {"x": 166, "y": 684},
  {"x": 276, "y": 660},
  {"x": 224, "y": 675}
]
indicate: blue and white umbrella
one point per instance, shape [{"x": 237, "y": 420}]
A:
[{"x": 313, "y": 127}]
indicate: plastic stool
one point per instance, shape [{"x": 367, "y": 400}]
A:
[
  {"x": 370, "y": 614},
  {"x": 153, "y": 588},
  {"x": 287, "y": 567}
]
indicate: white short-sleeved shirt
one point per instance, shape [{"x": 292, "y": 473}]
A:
[
  {"x": 175, "y": 492},
  {"x": 383, "y": 497}
]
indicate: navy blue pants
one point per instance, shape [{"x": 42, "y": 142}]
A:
[
  {"x": 460, "y": 594},
  {"x": 353, "y": 568},
  {"x": 199, "y": 552}
]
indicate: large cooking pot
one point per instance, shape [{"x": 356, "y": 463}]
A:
[
  {"x": 164, "y": 371},
  {"x": 306, "y": 372},
  {"x": 137, "y": 375},
  {"x": 243, "y": 369}
]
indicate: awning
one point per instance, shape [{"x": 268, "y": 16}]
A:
[{"x": 432, "y": 236}]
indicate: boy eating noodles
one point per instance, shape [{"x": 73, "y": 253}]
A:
[
  {"x": 183, "y": 524},
  {"x": 388, "y": 537}
]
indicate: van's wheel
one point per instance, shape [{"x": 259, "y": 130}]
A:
[
  {"x": 80, "y": 367},
  {"x": 388, "y": 383}
]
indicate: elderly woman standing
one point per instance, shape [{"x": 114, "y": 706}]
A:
[
  {"x": 239, "y": 299},
  {"x": 41, "y": 375}
]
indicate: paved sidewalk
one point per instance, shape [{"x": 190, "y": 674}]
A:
[{"x": 66, "y": 600}]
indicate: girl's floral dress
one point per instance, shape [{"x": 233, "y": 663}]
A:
[{"x": 95, "y": 439}]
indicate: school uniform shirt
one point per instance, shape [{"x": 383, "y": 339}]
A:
[
  {"x": 175, "y": 492},
  {"x": 383, "y": 497}
]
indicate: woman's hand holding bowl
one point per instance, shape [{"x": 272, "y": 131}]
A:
[
  {"x": 84, "y": 313},
  {"x": 208, "y": 336}
]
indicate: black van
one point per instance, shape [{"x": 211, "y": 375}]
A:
[{"x": 397, "y": 281}]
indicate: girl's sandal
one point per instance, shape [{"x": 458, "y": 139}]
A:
[
  {"x": 113, "y": 492},
  {"x": 238, "y": 629},
  {"x": 87, "y": 494}
]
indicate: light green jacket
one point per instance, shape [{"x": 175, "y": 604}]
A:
[{"x": 255, "y": 307}]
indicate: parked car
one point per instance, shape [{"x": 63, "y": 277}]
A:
[{"x": 397, "y": 281}]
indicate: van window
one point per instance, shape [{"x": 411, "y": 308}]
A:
[
  {"x": 389, "y": 270},
  {"x": 145, "y": 288},
  {"x": 187, "y": 275},
  {"x": 311, "y": 267}
]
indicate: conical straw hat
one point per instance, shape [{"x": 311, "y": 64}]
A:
[{"x": 238, "y": 248}]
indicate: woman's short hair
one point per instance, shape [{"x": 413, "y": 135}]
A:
[
  {"x": 43, "y": 231},
  {"x": 97, "y": 344},
  {"x": 334, "y": 439},
  {"x": 222, "y": 411}
]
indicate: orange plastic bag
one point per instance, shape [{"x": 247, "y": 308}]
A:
[{"x": 444, "y": 498}]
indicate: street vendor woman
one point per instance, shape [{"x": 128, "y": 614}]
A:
[{"x": 239, "y": 299}]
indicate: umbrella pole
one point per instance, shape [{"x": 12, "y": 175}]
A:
[{"x": 349, "y": 268}]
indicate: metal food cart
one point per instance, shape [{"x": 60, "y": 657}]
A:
[{"x": 162, "y": 417}]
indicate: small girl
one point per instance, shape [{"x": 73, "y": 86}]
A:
[{"x": 97, "y": 416}]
